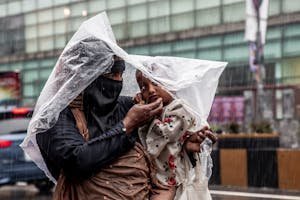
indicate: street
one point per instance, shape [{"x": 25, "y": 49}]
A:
[
  {"x": 22, "y": 191},
  {"x": 29, "y": 192}
]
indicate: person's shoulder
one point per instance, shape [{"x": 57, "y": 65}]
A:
[
  {"x": 66, "y": 118},
  {"x": 66, "y": 113}
]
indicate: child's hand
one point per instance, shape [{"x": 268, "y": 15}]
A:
[
  {"x": 207, "y": 132},
  {"x": 192, "y": 144}
]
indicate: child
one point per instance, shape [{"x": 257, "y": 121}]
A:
[{"x": 164, "y": 137}]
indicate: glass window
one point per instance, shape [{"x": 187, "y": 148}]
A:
[
  {"x": 3, "y": 35},
  {"x": 58, "y": 13},
  {"x": 29, "y": 90},
  {"x": 159, "y": 25},
  {"x": 61, "y": 2},
  {"x": 19, "y": 46},
  {"x": 208, "y": 17},
  {"x": 182, "y": 21},
  {"x": 14, "y": 22},
  {"x": 158, "y": 49},
  {"x": 291, "y": 46},
  {"x": 31, "y": 45},
  {"x": 274, "y": 7},
  {"x": 60, "y": 41},
  {"x": 138, "y": 29},
  {"x": 31, "y": 64},
  {"x": 30, "y": 32},
  {"x": 117, "y": 16},
  {"x": 30, "y": 76},
  {"x": 233, "y": 12},
  {"x": 272, "y": 49},
  {"x": 210, "y": 54},
  {"x": 14, "y": 7},
  {"x": 44, "y": 3},
  {"x": 96, "y": 6},
  {"x": 30, "y": 18},
  {"x": 46, "y": 43},
  {"x": 273, "y": 33},
  {"x": 236, "y": 53},
  {"x": 142, "y": 50},
  {"x": 115, "y": 4},
  {"x": 159, "y": 8},
  {"x": 234, "y": 38},
  {"x": 292, "y": 30},
  {"x": 16, "y": 66},
  {"x": 4, "y": 67},
  {"x": 45, "y": 29},
  {"x": 76, "y": 9},
  {"x": 185, "y": 54},
  {"x": 44, "y": 74},
  {"x": 75, "y": 23},
  {"x": 119, "y": 31},
  {"x": 138, "y": 12},
  {"x": 290, "y": 6},
  {"x": 45, "y": 16},
  {"x": 29, "y": 5},
  {"x": 47, "y": 62},
  {"x": 60, "y": 27},
  {"x": 202, "y": 4},
  {"x": 131, "y": 2},
  {"x": 2, "y": 10},
  {"x": 179, "y": 6},
  {"x": 183, "y": 45},
  {"x": 231, "y": 1}
]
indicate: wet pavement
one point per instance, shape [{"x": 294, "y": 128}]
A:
[
  {"x": 29, "y": 192},
  {"x": 250, "y": 193},
  {"x": 22, "y": 192}
]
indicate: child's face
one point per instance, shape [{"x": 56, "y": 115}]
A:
[{"x": 151, "y": 91}]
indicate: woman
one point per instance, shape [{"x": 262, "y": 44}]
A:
[{"x": 82, "y": 133}]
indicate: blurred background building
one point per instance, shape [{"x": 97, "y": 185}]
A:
[{"x": 34, "y": 32}]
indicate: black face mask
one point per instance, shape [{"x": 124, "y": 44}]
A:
[
  {"x": 100, "y": 100},
  {"x": 102, "y": 95}
]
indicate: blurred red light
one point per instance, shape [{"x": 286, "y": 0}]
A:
[
  {"x": 20, "y": 111},
  {"x": 5, "y": 144}
]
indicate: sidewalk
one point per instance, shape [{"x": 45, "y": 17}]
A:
[{"x": 239, "y": 193}]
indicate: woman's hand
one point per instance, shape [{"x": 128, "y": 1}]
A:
[
  {"x": 140, "y": 114},
  {"x": 192, "y": 144}
]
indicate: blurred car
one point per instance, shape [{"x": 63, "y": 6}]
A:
[{"x": 15, "y": 165}]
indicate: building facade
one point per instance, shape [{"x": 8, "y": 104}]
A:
[{"x": 34, "y": 32}]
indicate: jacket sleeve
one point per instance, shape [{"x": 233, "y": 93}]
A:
[{"x": 64, "y": 146}]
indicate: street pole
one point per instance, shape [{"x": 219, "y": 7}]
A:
[{"x": 259, "y": 61}]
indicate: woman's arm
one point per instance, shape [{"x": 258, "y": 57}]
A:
[{"x": 64, "y": 146}]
